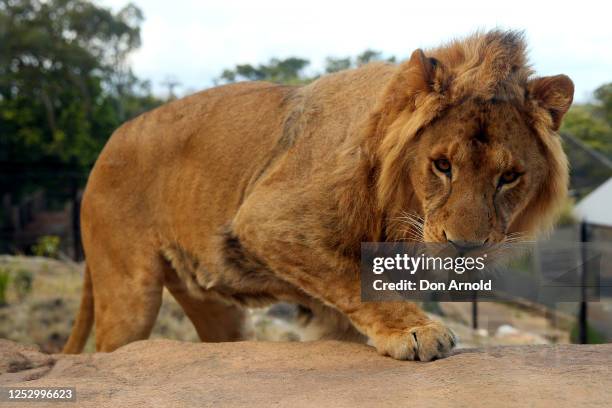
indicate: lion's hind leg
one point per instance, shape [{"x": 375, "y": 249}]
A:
[
  {"x": 214, "y": 319},
  {"x": 127, "y": 298}
]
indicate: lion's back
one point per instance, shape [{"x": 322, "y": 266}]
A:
[
  {"x": 199, "y": 150},
  {"x": 201, "y": 154}
]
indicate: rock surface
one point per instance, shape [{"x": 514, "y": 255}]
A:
[{"x": 160, "y": 373}]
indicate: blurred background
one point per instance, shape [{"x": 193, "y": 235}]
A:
[{"x": 71, "y": 71}]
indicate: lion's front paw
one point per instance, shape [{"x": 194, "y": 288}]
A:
[{"x": 423, "y": 343}]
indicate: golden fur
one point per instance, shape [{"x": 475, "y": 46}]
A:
[{"x": 253, "y": 193}]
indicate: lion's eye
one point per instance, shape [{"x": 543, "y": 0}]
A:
[
  {"x": 508, "y": 177},
  {"x": 443, "y": 165}
]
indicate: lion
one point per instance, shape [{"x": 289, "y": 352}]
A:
[{"x": 252, "y": 193}]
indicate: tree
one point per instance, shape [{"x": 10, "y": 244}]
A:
[
  {"x": 285, "y": 71},
  {"x": 291, "y": 71},
  {"x": 592, "y": 123},
  {"x": 65, "y": 84},
  {"x": 603, "y": 96},
  {"x": 338, "y": 64}
]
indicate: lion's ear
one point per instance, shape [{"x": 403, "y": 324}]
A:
[
  {"x": 413, "y": 78},
  {"x": 421, "y": 72},
  {"x": 553, "y": 93}
]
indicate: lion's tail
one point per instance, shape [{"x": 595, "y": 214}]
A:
[{"x": 84, "y": 320}]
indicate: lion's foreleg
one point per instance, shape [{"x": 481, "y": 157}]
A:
[{"x": 400, "y": 330}]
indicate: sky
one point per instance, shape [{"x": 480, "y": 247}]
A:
[{"x": 192, "y": 41}]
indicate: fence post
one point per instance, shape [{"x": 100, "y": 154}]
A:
[
  {"x": 582, "y": 316},
  {"x": 474, "y": 312},
  {"x": 76, "y": 227}
]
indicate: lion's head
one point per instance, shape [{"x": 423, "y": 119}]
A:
[{"x": 464, "y": 144}]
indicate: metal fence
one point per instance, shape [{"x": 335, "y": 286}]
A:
[
  {"x": 584, "y": 232},
  {"x": 49, "y": 208}
]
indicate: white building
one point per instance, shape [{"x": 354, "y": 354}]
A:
[{"x": 596, "y": 208}]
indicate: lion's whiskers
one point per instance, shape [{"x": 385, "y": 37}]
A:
[{"x": 413, "y": 227}]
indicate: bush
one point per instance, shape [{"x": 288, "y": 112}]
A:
[
  {"x": 47, "y": 245},
  {"x": 22, "y": 282},
  {"x": 567, "y": 216},
  {"x": 593, "y": 336},
  {"x": 5, "y": 277}
]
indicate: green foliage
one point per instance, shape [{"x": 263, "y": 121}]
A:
[
  {"x": 291, "y": 71},
  {"x": 338, "y": 64},
  {"x": 47, "y": 245},
  {"x": 583, "y": 122},
  {"x": 567, "y": 216},
  {"x": 592, "y": 123},
  {"x": 593, "y": 336},
  {"x": 603, "y": 95},
  {"x": 5, "y": 277},
  {"x": 64, "y": 84},
  {"x": 285, "y": 71},
  {"x": 22, "y": 283}
]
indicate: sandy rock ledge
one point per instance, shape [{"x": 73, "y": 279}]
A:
[{"x": 160, "y": 373}]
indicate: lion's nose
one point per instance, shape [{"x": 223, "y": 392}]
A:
[{"x": 466, "y": 246}]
